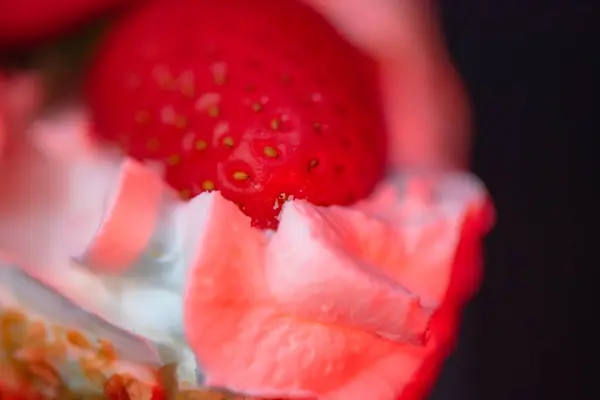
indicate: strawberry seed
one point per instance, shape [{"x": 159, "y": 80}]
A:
[
  {"x": 271, "y": 152},
  {"x": 201, "y": 145},
  {"x": 152, "y": 144},
  {"x": 180, "y": 122},
  {"x": 214, "y": 111},
  {"x": 275, "y": 124},
  {"x": 240, "y": 176},
  {"x": 208, "y": 185},
  {"x": 173, "y": 159},
  {"x": 228, "y": 142},
  {"x": 185, "y": 194},
  {"x": 142, "y": 117}
]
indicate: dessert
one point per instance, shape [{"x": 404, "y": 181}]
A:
[{"x": 144, "y": 282}]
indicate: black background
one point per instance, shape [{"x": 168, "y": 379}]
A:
[{"x": 531, "y": 68}]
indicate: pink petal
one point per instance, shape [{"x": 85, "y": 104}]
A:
[
  {"x": 127, "y": 221},
  {"x": 328, "y": 272},
  {"x": 311, "y": 313}
]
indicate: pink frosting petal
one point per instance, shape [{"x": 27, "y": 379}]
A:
[
  {"x": 323, "y": 309},
  {"x": 128, "y": 223},
  {"x": 323, "y": 265}
]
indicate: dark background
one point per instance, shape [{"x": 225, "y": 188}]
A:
[{"x": 531, "y": 68}]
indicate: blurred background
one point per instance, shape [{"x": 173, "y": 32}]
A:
[{"x": 532, "y": 70}]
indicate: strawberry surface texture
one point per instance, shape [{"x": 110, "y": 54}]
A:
[{"x": 261, "y": 100}]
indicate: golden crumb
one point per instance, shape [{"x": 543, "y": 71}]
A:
[
  {"x": 91, "y": 368},
  {"x": 58, "y": 332},
  {"x": 77, "y": 339},
  {"x": 28, "y": 367},
  {"x": 45, "y": 372},
  {"x": 106, "y": 352},
  {"x": 35, "y": 333},
  {"x": 137, "y": 390},
  {"x": 56, "y": 351}
]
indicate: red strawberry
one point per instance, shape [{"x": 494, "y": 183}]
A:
[
  {"x": 261, "y": 100},
  {"x": 32, "y": 20}
]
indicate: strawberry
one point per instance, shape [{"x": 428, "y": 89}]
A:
[{"x": 262, "y": 100}]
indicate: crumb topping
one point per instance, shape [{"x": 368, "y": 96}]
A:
[{"x": 34, "y": 355}]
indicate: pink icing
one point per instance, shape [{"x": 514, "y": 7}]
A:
[
  {"x": 330, "y": 307},
  {"x": 129, "y": 221}
]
